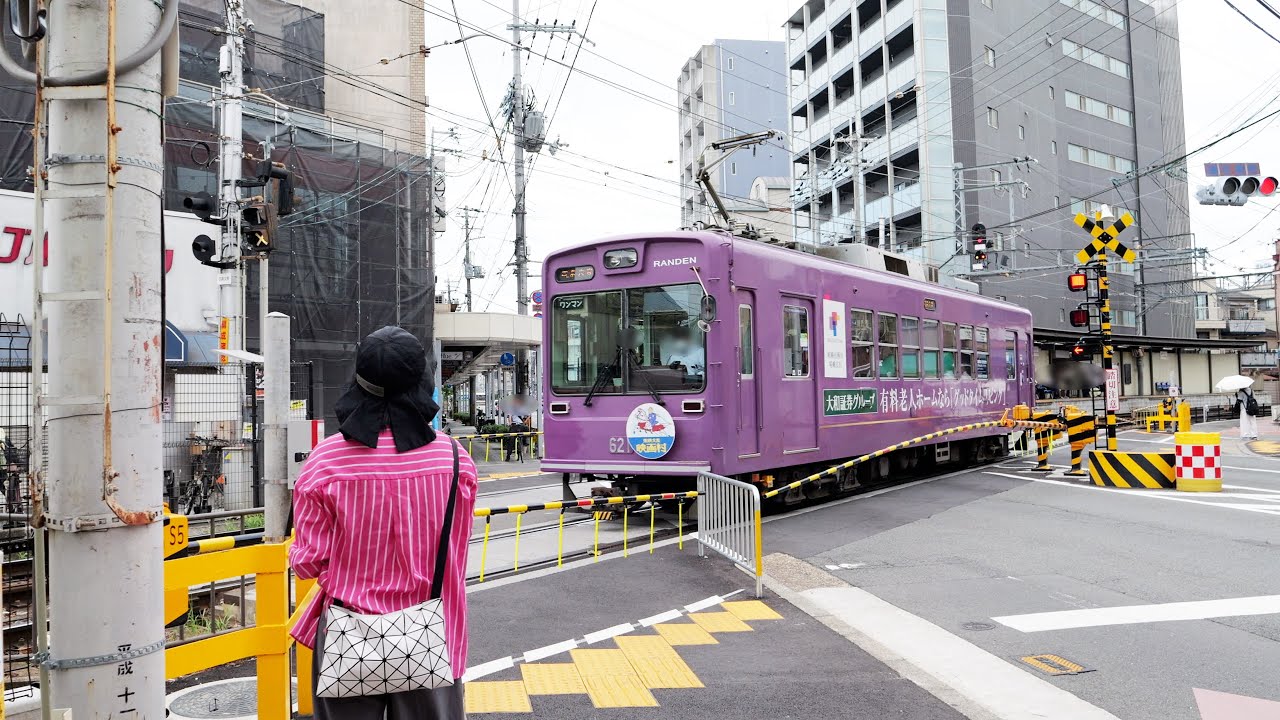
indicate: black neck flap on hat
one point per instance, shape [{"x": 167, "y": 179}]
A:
[{"x": 378, "y": 400}]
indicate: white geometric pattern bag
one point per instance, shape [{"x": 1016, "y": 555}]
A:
[{"x": 395, "y": 652}]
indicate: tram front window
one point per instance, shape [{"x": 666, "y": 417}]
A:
[{"x": 666, "y": 353}]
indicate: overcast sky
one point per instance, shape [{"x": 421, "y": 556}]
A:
[{"x": 618, "y": 122}]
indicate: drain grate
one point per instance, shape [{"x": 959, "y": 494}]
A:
[{"x": 978, "y": 626}]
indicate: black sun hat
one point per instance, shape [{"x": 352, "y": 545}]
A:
[{"x": 393, "y": 387}]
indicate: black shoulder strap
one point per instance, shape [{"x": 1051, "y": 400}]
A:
[{"x": 442, "y": 550}]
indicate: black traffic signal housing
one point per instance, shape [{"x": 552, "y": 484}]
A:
[
  {"x": 203, "y": 205},
  {"x": 1080, "y": 352},
  {"x": 258, "y": 229},
  {"x": 1077, "y": 281},
  {"x": 979, "y": 237}
]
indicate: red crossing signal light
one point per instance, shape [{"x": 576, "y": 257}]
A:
[{"x": 1077, "y": 282}]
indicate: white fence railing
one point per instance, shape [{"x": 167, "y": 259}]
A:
[{"x": 729, "y": 522}]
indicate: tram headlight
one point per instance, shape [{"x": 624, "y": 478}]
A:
[{"x": 618, "y": 259}]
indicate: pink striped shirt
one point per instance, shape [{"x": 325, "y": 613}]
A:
[{"x": 367, "y": 523}]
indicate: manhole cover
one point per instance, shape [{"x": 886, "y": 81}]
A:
[
  {"x": 234, "y": 699},
  {"x": 978, "y": 626}
]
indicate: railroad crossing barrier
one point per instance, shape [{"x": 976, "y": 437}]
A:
[
  {"x": 1199, "y": 467},
  {"x": 1082, "y": 430},
  {"x": 535, "y": 449},
  {"x": 1134, "y": 470},
  {"x": 1044, "y": 438},
  {"x": 729, "y": 523}
]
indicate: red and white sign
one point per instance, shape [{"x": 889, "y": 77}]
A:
[
  {"x": 1113, "y": 390},
  {"x": 191, "y": 289},
  {"x": 1199, "y": 462}
]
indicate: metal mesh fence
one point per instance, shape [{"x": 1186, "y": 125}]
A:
[{"x": 208, "y": 449}]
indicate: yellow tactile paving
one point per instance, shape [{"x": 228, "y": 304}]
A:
[
  {"x": 719, "y": 622},
  {"x": 552, "y": 679},
  {"x": 611, "y": 680},
  {"x": 657, "y": 663},
  {"x": 685, "y": 634},
  {"x": 497, "y": 697},
  {"x": 751, "y": 610}
]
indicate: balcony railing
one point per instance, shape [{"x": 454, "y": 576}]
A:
[
  {"x": 874, "y": 34},
  {"x": 904, "y": 135},
  {"x": 905, "y": 198},
  {"x": 901, "y": 74},
  {"x": 1246, "y": 327}
]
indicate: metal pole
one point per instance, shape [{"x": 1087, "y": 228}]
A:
[
  {"x": 230, "y": 166},
  {"x": 102, "y": 293},
  {"x": 466, "y": 244},
  {"x": 1104, "y": 297},
  {"x": 888, "y": 123},
  {"x": 275, "y": 350},
  {"x": 522, "y": 250}
]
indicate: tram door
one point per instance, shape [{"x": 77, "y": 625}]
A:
[
  {"x": 797, "y": 396},
  {"x": 748, "y": 390}
]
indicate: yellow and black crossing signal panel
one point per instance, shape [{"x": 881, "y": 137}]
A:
[{"x": 177, "y": 604}]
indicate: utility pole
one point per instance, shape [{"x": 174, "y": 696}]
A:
[
  {"x": 100, "y": 507},
  {"x": 469, "y": 272},
  {"x": 534, "y": 141},
  {"x": 892, "y": 244},
  {"x": 230, "y": 167}
]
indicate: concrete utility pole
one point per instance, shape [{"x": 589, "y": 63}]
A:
[
  {"x": 275, "y": 449},
  {"x": 102, "y": 205},
  {"x": 230, "y": 167}
]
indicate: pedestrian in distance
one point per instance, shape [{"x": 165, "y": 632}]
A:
[
  {"x": 383, "y": 517},
  {"x": 1248, "y": 406}
]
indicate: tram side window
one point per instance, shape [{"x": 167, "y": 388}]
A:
[
  {"x": 795, "y": 341},
  {"x": 949, "y": 347},
  {"x": 929, "y": 340},
  {"x": 966, "y": 352},
  {"x": 1010, "y": 355},
  {"x": 747, "y": 341},
  {"x": 910, "y": 347},
  {"x": 863, "y": 343},
  {"x": 984, "y": 353},
  {"x": 888, "y": 346}
]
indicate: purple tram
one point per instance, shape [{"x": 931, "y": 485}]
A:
[{"x": 672, "y": 353}]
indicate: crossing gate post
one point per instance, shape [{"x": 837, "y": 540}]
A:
[
  {"x": 1044, "y": 438},
  {"x": 1081, "y": 432}
]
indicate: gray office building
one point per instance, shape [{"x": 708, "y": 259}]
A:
[
  {"x": 907, "y": 116},
  {"x": 728, "y": 88}
]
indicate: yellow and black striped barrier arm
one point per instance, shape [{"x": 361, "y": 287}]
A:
[{"x": 205, "y": 546}]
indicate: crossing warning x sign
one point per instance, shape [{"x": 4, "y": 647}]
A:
[{"x": 1105, "y": 237}]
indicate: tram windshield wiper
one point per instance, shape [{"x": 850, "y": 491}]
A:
[
  {"x": 637, "y": 370},
  {"x": 603, "y": 377}
]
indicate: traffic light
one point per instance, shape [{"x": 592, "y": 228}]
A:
[
  {"x": 1236, "y": 190},
  {"x": 1079, "y": 352},
  {"x": 1077, "y": 282},
  {"x": 1080, "y": 317},
  {"x": 979, "y": 237},
  {"x": 203, "y": 206},
  {"x": 258, "y": 227}
]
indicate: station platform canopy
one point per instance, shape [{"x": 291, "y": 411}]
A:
[{"x": 473, "y": 343}]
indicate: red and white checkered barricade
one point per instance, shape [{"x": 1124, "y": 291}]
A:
[{"x": 1199, "y": 467}]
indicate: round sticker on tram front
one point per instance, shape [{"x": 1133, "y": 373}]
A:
[{"x": 651, "y": 431}]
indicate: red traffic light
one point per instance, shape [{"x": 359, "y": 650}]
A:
[
  {"x": 1077, "y": 282},
  {"x": 1079, "y": 317},
  {"x": 1267, "y": 185}
]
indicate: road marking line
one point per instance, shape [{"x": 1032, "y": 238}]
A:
[
  {"x": 1132, "y": 614},
  {"x": 660, "y": 618},
  {"x": 1265, "y": 470},
  {"x": 915, "y": 646},
  {"x": 703, "y": 604},
  {"x": 547, "y": 651},
  {"x": 1149, "y": 494},
  {"x": 1246, "y": 487},
  {"x": 489, "y": 668},
  {"x": 616, "y": 630}
]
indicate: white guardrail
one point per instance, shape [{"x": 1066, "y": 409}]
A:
[{"x": 729, "y": 523}]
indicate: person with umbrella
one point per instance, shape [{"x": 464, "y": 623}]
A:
[{"x": 1244, "y": 401}]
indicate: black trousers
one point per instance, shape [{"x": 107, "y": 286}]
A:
[{"x": 440, "y": 704}]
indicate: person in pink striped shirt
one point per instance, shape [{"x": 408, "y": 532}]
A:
[{"x": 369, "y": 508}]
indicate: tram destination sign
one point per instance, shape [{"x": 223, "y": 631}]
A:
[{"x": 848, "y": 402}]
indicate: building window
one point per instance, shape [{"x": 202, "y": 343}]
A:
[
  {"x": 1202, "y": 306},
  {"x": 1095, "y": 58},
  {"x": 1062, "y": 315},
  {"x": 888, "y": 346},
  {"x": 1050, "y": 92},
  {"x": 731, "y": 100},
  {"x": 1097, "y": 108},
  {"x": 730, "y": 64},
  {"x": 795, "y": 341},
  {"x": 1128, "y": 318},
  {"x": 1099, "y": 159},
  {"x": 1053, "y": 147},
  {"x": 1022, "y": 132},
  {"x": 733, "y": 168},
  {"x": 910, "y": 347},
  {"x": 863, "y": 343},
  {"x": 990, "y": 56},
  {"x": 1098, "y": 11},
  {"x": 987, "y": 2},
  {"x": 929, "y": 340},
  {"x": 995, "y": 176},
  {"x": 1092, "y": 207},
  {"x": 993, "y": 117}
]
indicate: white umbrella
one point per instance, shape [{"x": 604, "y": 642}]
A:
[{"x": 1232, "y": 383}]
